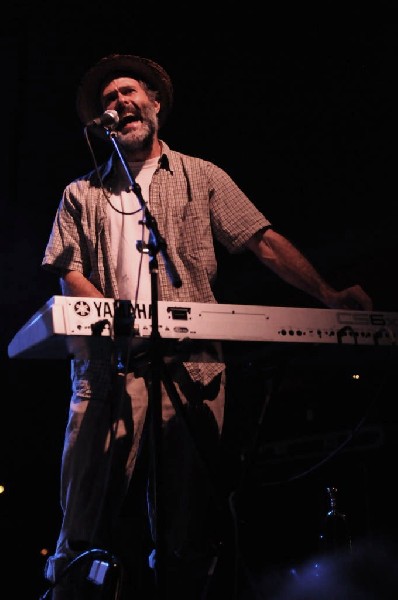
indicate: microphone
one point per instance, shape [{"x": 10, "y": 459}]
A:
[{"x": 109, "y": 118}]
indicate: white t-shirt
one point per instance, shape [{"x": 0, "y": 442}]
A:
[{"x": 131, "y": 265}]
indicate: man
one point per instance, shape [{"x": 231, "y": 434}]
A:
[{"x": 93, "y": 249}]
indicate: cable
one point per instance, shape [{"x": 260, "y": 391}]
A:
[{"x": 97, "y": 574}]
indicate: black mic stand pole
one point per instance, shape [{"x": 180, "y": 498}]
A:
[{"x": 156, "y": 244}]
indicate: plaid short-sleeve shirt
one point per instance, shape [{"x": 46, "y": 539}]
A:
[{"x": 193, "y": 202}]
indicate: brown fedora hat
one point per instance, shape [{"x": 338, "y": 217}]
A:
[{"x": 88, "y": 101}]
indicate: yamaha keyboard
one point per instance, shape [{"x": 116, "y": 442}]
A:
[{"x": 67, "y": 326}]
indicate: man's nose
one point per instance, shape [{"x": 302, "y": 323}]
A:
[{"x": 122, "y": 97}]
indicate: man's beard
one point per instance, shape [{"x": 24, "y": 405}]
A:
[{"x": 142, "y": 139}]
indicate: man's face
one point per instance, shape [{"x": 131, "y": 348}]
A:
[{"x": 137, "y": 111}]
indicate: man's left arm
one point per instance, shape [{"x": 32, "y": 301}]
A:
[{"x": 285, "y": 260}]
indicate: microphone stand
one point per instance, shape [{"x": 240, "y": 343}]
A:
[{"x": 156, "y": 244}]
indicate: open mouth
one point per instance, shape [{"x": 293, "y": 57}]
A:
[{"x": 126, "y": 119}]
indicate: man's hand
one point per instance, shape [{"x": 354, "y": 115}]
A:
[{"x": 351, "y": 298}]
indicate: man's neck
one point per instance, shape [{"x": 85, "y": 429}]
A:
[{"x": 153, "y": 151}]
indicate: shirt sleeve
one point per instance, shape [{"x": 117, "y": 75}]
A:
[
  {"x": 66, "y": 249},
  {"x": 235, "y": 219}
]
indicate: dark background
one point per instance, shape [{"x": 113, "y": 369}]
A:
[{"x": 299, "y": 106}]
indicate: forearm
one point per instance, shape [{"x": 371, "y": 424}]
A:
[
  {"x": 286, "y": 261},
  {"x": 73, "y": 283}
]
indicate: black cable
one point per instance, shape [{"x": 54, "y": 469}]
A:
[{"x": 81, "y": 558}]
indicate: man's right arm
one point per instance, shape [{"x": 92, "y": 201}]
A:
[{"x": 73, "y": 283}]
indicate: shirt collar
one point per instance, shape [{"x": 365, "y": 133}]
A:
[{"x": 108, "y": 169}]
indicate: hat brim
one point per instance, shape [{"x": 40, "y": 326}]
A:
[{"x": 88, "y": 102}]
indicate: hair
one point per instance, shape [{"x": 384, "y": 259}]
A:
[{"x": 152, "y": 93}]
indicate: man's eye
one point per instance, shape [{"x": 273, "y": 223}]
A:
[{"x": 106, "y": 101}]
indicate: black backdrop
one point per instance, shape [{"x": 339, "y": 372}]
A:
[{"x": 298, "y": 105}]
